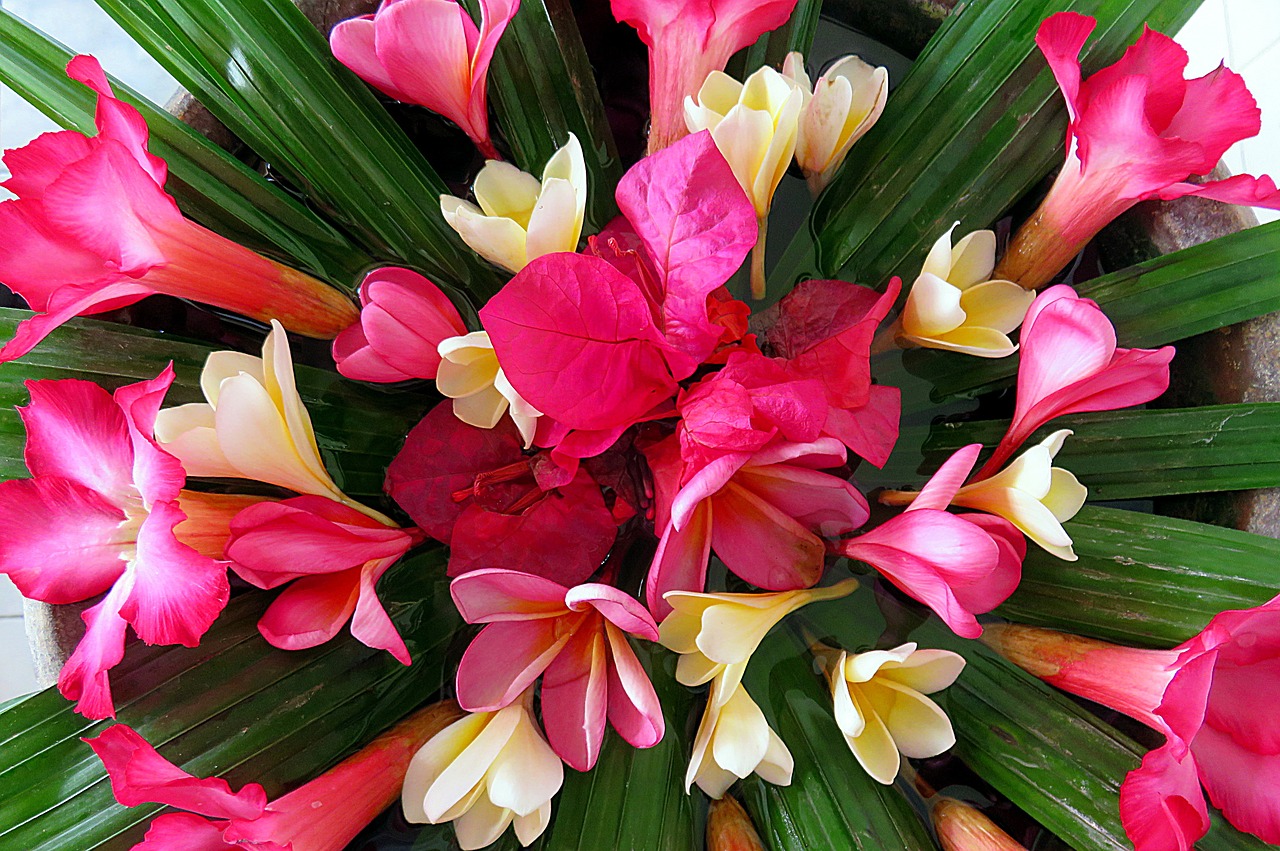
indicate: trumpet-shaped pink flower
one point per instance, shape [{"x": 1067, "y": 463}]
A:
[
  {"x": 475, "y": 490},
  {"x": 322, "y": 815},
  {"x": 576, "y": 640},
  {"x": 403, "y": 319},
  {"x": 1213, "y": 697},
  {"x": 334, "y": 556},
  {"x": 688, "y": 39},
  {"x": 958, "y": 565},
  {"x": 104, "y": 511},
  {"x": 431, "y": 53},
  {"x": 1070, "y": 365},
  {"x": 765, "y": 517},
  {"x": 1137, "y": 131},
  {"x": 92, "y": 229}
]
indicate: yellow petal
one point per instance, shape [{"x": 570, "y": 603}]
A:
[
  {"x": 874, "y": 749},
  {"x": 188, "y": 433},
  {"x": 279, "y": 380},
  {"x": 432, "y": 759},
  {"x": 977, "y": 342},
  {"x": 933, "y": 307},
  {"x": 556, "y": 222},
  {"x": 972, "y": 259},
  {"x": 220, "y": 366},
  {"x": 1066, "y": 495},
  {"x": 926, "y": 671},
  {"x": 918, "y": 727},
  {"x": 741, "y": 737},
  {"x": 1001, "y": 305},
  {"x": 480, "y": 826},
  {"x": 527, "y": 773},
  {"x": 463, "y": 769},
  {"x": 778, "y": 764},
  {"x": 504, "y": 191},
  {"x": 500, "y": 240},
  {"x": 530, "y": 827},
  {"x": 938, "y": 261}
]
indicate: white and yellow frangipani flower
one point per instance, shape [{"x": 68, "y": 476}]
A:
[
  {"x": 881, "y": 708},
  {"x": 755, "y": 125},
  {"x": 845, "y": 103},
  {"x": 519, "y": 218},
  {"x": 484, "y": 772},
  {"x": 470, "y": 375},
  {"x": 954, "y": 306},
  {"x": 717, "y": 633},
  {"x": 734, "y": 740},
  {"x": 253, "y": 425},
  {"x": 1033, "y": 495}
]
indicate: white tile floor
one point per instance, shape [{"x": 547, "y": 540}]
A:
[{"x": 1244, "y": 33}]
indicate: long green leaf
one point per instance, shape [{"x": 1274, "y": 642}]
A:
[
  {"x": 359, "y": 429},
  {"x": 1170, "y": 298},
  {"x": 234, "y": 707},
  {"x": 209, "y": 184},
  {"x": 973, "y": 126},
  {"x": 1143, "y": 579},
  {"x": 264, "y": 71},
  {"x": 1129, "y": 454},
  {"x": 543, "y": 88},
  {"x": 831, "y": 802}
]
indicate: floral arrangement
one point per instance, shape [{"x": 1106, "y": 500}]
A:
[{"x": 637, "y": 475}]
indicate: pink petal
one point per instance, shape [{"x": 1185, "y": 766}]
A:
[
  {"x": 763, "y": 545},
  {"x": 185, "y": 832},
  {"x": 496, "y": 594},
  {"x": 871, "y": 430},
  {"x": 61, "y": 539},
  {"x": 997, "y": 586},
  {"x": 942, "y": 486},
  {"x": 504, "y": 660},
  {"x": 827, "y": 505},
  {"x": 84, "y": 676},
  {"x": 1241, "y": 189},
  {"x": 698, "y": 226},
  {"x": 38, "y": 163},
  {"x": 423, "y": 45},
  {"x": 370, "y": 624},
  {"x": 1161, "y": 805},
  {"x": 176, "y": 593},
  {"x": 634, "y": 709},
  {"x": 67, "y": 302},
  {"x": 357, "y": 360},
  {"x": 76, "y": 431},
  {"x": 577, "y": 339},
  {"x": 311, "y": 611},
  {"x": 1061, "y": 38},
  {"x": 352, "y": 43},
  {"x": 680, "y": 563},
  {"x": 619, "y": 608},
  {"x": 404, "y": 319},
  {"x": 1159, "y": 61},
  {"x": 575, "y": 698},
  {"x": 1217, "y": 112},
  {"x": 157, "y": 474},
  {"x": 140, "y": 775},
  {"x": 33, "y": 246},
  {"x": 495, "y": 15},
  {"x": 116, "y": 119},
  {"x": 1243, "y": 782}
]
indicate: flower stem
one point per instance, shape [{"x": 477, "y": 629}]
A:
[{"x": 757, "y": 260}]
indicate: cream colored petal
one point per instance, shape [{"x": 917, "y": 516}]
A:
[
  {"x": 530, "y": 827},
  {"x": 933, "y": 307},
  {"x": 713, "y": 780},
  {"x": 977, "y": 342},
  {"x": 281, "y": 384},
  {"x": 918, "y": 726},
  {"x": 972, "y": 259},
  {"x": 222, "y": 365},
  {"x": 556, "y": 223},
  {"x": 874, "y": 749},
  {"x": 504, "y": 191},
  {"x": 1066, "y": 495},
  {"x": 678, "y": 632},
  {"x": 782, "y": 147},
  {"x": 471, "y": 372},
  {"x": 778, "y": 764},
  {"x": 527, "y": 773},
  {"x": 432, "y": 759},
  {"x": 870, "y": 94},
  {"x": 845, "y": 709},
  {"x": 794, "y": 70},
  {"x": 822, "y": 124},
  {"x": 480, "y": 826},
  {"x": 1055, "y": 441},
  {"x": 863, "y": 667},
  {"x": 482, "y": 410},
  {"x": 568, "y": 163},
  {"x": 720, "y": 92},
  {"x": 743, "y": 138},
  {"x": 926, "y": 671},
  {"x": 938, "y": 260},
  {"x": 694, "y": 669},
  {"x": 498, "y": 239},
  {"x": 698, "y": 118},
  {"x": 699, "y": 757},
  {"x": 741, "y": 736},
  {"x": 1001, "y": 305},
  {"x": 188, "y": 433},
  {"x": 470, "y": 766},
  {"x": 466, "y": 348},
  {"x": 730, "y": 633},
  {"x": 524, "y": 415},
  {"x": 1028, "y": 472}
]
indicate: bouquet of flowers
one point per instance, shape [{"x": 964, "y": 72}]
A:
[{"x": 578, "y": 458}]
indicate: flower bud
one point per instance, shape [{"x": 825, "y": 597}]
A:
[{"x": 846, "y": 103}]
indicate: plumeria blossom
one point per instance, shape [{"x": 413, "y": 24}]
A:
[
  {"x": 1071, "y": 365},
  {"x": 955, "y": 306},
  {"x": 253, "y": 426},
  {"x": 471, "y": 376},
  {"x": 734, "y": 740},
  {"x": 845, "y": 103},
  {"x": 429, "y": 52},
  {"x": 765, "y": 518},
  {"x": 518, "y": 217},
  {"x": 958, "y": 565},
  {"x": 576, "y": 640},
  {"x": 92, "y": 229},
  {"x": 104, "y": 511},
  {"x": 475, "y": 490},
  {"x": 717, "y": 633},
  {"x": 755, "y": 125},
  {"x": 881, "y": 708},
  {"x": 1213, "y": 698},
  {"x": 403, "y": 320},
  {"x": 484, "y": 772},
  {"x": 1137, "y": 131},
  {"x": 322, "y": 815},
  {"x": 688, "y": 41},
  {"x": 333, "y": 556}
]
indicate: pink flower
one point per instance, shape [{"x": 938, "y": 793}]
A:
[
  {"x": 1214, "y": 699},
  {"x": 92, "y": 229},
  {"x": 429, "y": 52},
  {"x": 403, "y": 319},
  {"x": 334, "y": 557},
  {"x": 1137, "y": 131},
  {"x": 576, "y": 640},
  {"x": 688, "y": 39},
  {"x": 323, "y": 815},
  {"x": 104, "y": 511},
  {"x": 765, "y": 517},
  {"x": 958, "y": 565},
  {"x": 1070, "y": 365},
  {"x": 475, "y": 490}
]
